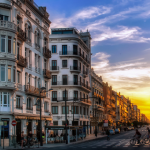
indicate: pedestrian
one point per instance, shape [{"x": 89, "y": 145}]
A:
[{"x": 108, "y": 133}]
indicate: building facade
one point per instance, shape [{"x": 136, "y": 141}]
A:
[
  {"x": 97, "y": 107},
  {"x": 24, "y": 66},
  {"x": 70, "y": 67}
]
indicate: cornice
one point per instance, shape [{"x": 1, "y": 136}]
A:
[
  {"x": 24, "y": 12},
  {"x": 7, "y": 6}
]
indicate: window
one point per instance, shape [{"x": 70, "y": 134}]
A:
[
  {"x": 39, "y": 83},
  {"x": 64, "y": 63},
  {"x": 37, "y": 39},
  {"x": 75, "y": 79},
  {"x": 64, "y": 78},
  {"x": 75, "y": 65},
  {"x": 4, "y": 99},
  {"x": 38, "y": 105},
  {"x": 18, "y": 77},
  {"x": 64, "y": 49},
  {"x": 29, "y": 103},
  {"x": 87, "y": 111},
  {"x": 53, "y": 48},
  {"x": 3, "y": 72},
  {"x": 18, "y": 50},
  {"x": 54, "y": 95},
  {"x": 75, "y": 94},
  {"x": 9, "y": 44},
  {"x": 28, "y": 31},
  {"x": 17, "y": 101},
  {"x": 46, "y": 106},
  {"x": 54, "y": 64},
  {"x": 54, "y": 79},
  {"x": 55, "y": 110},
  {"x": 80, "y": 110},
  {"x": 84, "y": 111},
  {"x": 14, "y": 74},
  {"x": 80, "y": 66},
  {"x": 80, "y": 95},
  {"x": 14, "y": 46},
  {"x": 64, "y": 95},
  {"x": 35, "y": 84},
  {"x": 3, "y": 43},
  {"x": 9, "y": 73},
  {"x": 55, "y": 123},
  {"x": 63, "y": 32},
  {"x": 63, "y": 109},
  {"x": 45, "y": 64},
  {"x": 2, "y": 17},
  {"x": 75, "y": 50},
  {"x": 75, "y": 111}
]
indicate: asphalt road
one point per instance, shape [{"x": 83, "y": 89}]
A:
[{"x": 117, "y": 141}]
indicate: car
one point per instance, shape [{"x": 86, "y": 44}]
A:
[
  {"x": 132, "y": 128},
  {"x": 129, "y": 128},
  {"x": 117, "y": 130},
  {"x": 112, "y": 131}
]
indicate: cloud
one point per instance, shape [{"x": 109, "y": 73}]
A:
[
  {"x": 148, "y": 49},
  {"x": 126, "y": 75},
  {"x": 86, "y": 13}
]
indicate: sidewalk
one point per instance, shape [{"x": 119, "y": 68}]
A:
[{"x": 88, "y": 138}]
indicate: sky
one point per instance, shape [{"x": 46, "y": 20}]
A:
[{"x": 120, "y": 31}]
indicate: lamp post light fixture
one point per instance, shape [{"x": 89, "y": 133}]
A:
[{"x": 41, "y": 90}]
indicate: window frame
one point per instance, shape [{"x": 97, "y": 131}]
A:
[
  {"x": 64, "y": 65},
  {"x": 55, "y": 48},
  {"x": 3, "y": 37},
  {"x": 56, "y": 111},
  {"x": 63, "y": 109},
  {"x": 1, "y": 72}
]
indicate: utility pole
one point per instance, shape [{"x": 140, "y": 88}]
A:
[
  {"x": 41, "y": 140},
  {"x": 66, "y": 117}
]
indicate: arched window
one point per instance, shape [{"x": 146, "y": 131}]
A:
[
  {"x": 28, "y": 31},
  {"x": 38, "y": 105},
  {"x": 37, "y": 38}
]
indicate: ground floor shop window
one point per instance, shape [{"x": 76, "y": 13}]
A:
[{"x": 5, "y": 127}]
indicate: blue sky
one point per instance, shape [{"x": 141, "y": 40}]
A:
[{"x": 120, "y": 31}]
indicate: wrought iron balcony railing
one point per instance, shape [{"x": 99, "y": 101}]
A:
[
  {"x": 21, "y": 33},
  {"x": 75, "y": 68},
  {"x": 46, "y": 52},
  {"x": 21, "y": 61},
  {"x": 54, "y": 68},
  {"x": 31, "y": 90},
  {"x": 46, "y": 73}
]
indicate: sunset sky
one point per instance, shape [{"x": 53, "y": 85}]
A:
[{"x": 120, "y": 31}]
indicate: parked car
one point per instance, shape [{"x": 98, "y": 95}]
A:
[
  {"x": 117, "y": 130},
  {"x": 112, "y": 131},
  {"x": 129, "y": 128},
  {"x": 132, "y": 128}
]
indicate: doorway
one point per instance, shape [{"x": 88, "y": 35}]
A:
[{"x": 18, "y": 130}]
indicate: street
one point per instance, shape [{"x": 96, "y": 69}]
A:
[{"x": 118, "y": 141}]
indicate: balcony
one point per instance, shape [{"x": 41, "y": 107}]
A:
[
  {"x": 46, "y": 110},
  {"x": 21, "y": 34},
  {"x": 85, "y": 73},
  {"x": 31, "y": 90},
  {"x": 29, "y": 108},
  {"x": 71, "y": 83},
  {"x": 6, "y": 25},
  {"x": 85, "y": 101},
  {"x": 21, "y": 61},
  {"x": 54, "y": 68},
  {"x": 75, "y": 69},
  {"x": 19, "y": 107},
  {"x": 74, "y": 54},
  {"x": 46, "y": 73},
  {"x": 46, "y": 52}
]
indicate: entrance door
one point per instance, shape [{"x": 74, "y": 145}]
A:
[
  {"x": 38, "y": 130},
  {"x": 18, "y": 130},
  {"x": 29, "y": 128}
]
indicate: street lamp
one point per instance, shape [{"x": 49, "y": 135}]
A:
[{"x": 41, "y": 89}]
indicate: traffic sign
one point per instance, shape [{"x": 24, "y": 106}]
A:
[{"x": 14, "y": 123}]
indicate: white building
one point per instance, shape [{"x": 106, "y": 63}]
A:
[
  {"x": 24, "y": 66},
  {"x": 70, "y": 67}
]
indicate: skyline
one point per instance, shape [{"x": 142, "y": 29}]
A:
[{"x": 120, "y": 41}]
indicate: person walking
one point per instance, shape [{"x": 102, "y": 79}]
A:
[{"x": 108, "y": 133}]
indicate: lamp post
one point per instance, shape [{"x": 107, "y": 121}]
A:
[{"x": 41, "y": 140}]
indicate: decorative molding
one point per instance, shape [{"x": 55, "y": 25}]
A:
[
  {"x": 28, "y": 12},
  {"x": 37, "y": 20},
  {"x": 19, "y": 3}
]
